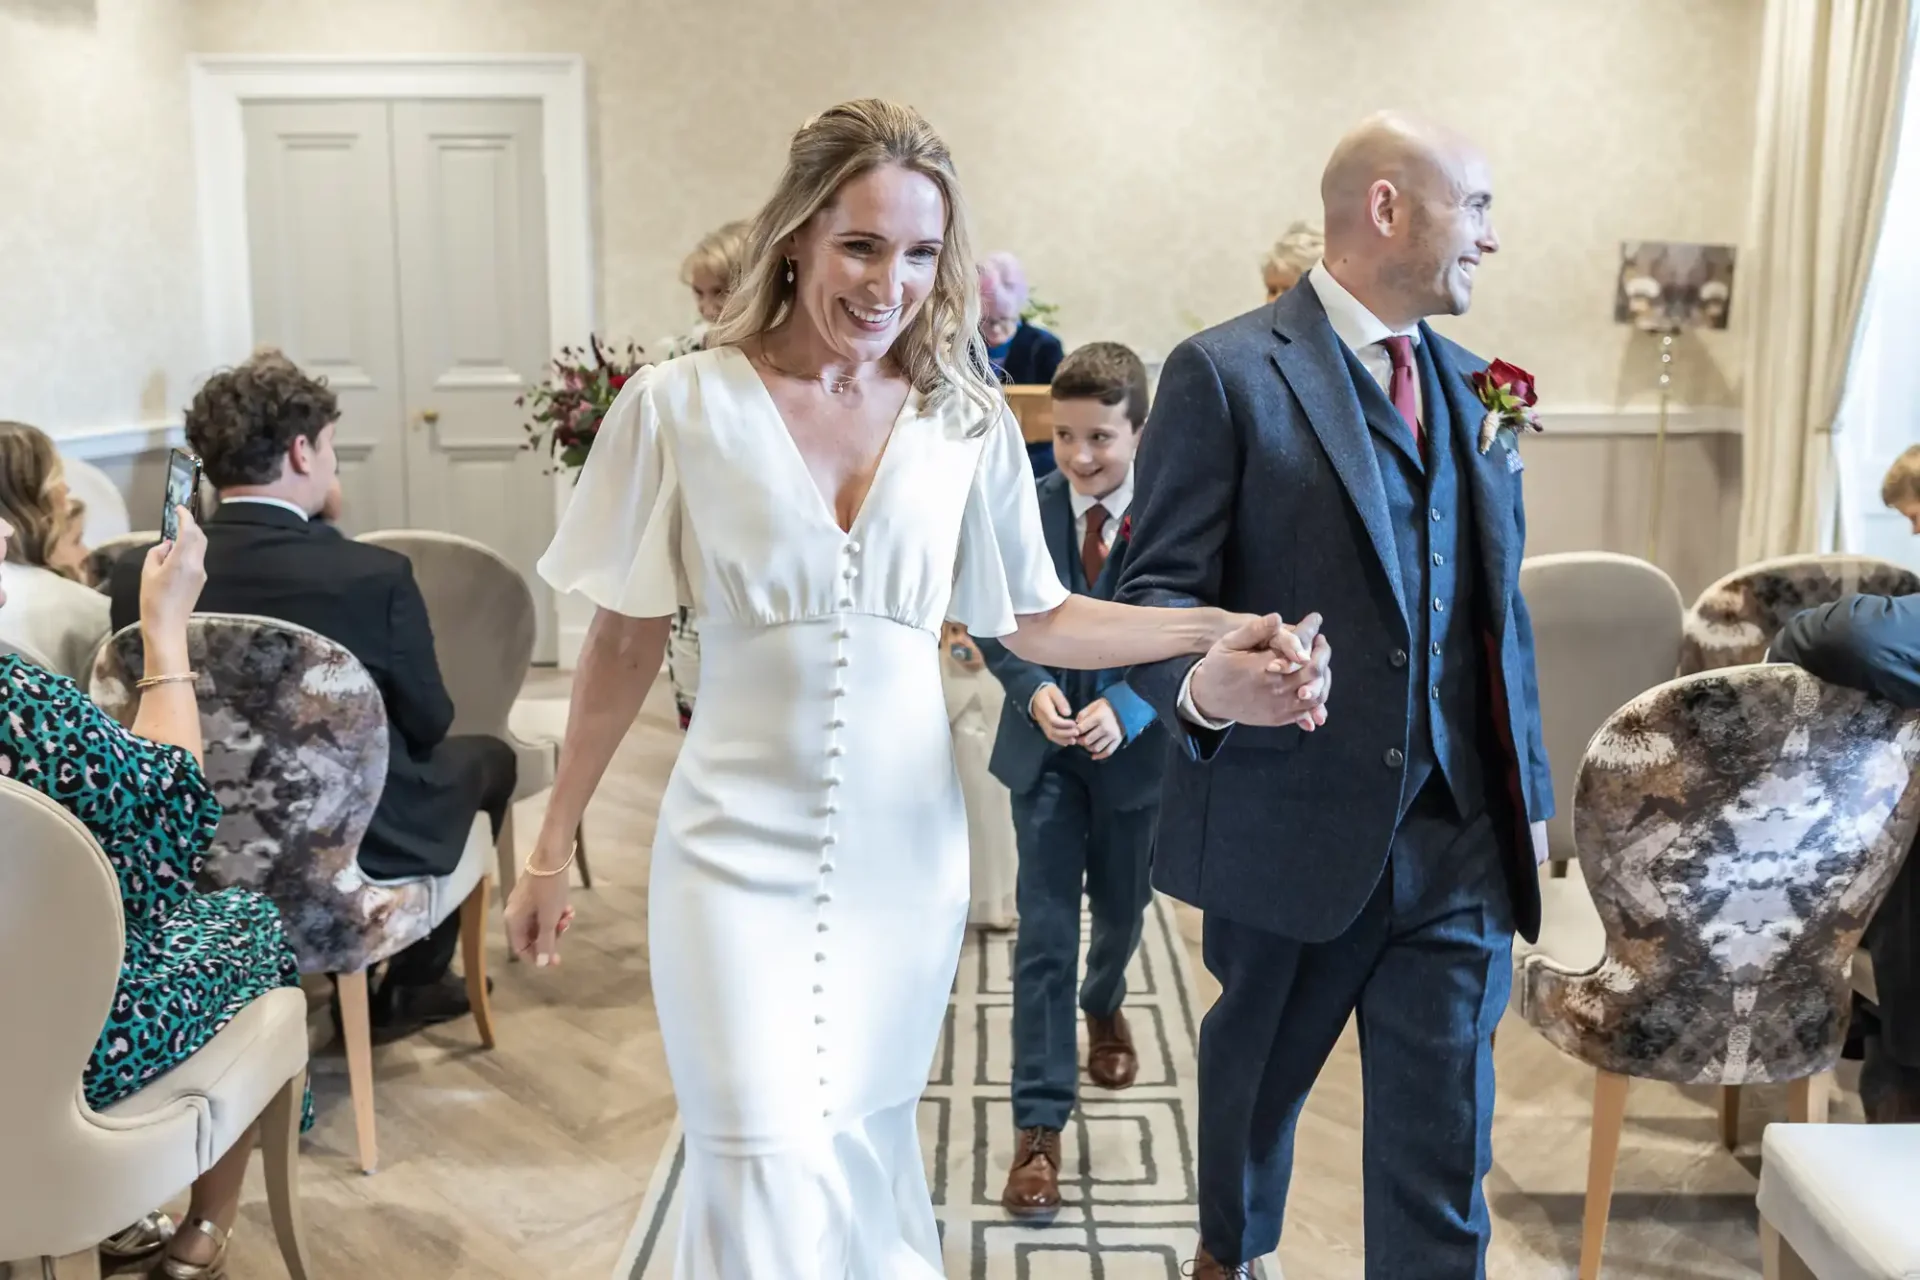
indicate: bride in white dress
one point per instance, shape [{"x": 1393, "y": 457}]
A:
[{"x": 824, "y": 485}]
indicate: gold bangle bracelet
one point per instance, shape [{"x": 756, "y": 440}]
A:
[
  {"x": 182, "y": 677},
  {"x": 528, "y": 867}
]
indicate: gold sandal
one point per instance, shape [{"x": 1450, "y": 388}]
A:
[
  {"x": 136, "y": 1246},
  {"x": 172, "y": 1268}
]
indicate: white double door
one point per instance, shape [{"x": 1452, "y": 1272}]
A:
[{"x": 399, "y": 248}]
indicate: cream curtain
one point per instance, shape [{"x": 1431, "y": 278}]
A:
[{"x": 1832, "y": 77}]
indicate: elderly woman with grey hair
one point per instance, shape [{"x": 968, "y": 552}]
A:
[{"x": 1290, "y": 258}]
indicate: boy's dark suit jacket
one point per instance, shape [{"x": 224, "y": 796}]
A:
[
  {"x": 267, "y": 561},
  {"x": 1020, "y": 751}
]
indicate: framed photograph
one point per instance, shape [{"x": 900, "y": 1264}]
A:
[{"x": 1667, "y": 285}]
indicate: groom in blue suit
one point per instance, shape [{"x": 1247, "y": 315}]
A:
[{"x": 1326, "y": 453}]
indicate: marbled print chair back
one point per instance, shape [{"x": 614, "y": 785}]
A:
[
  {"x": 1736, "y": 618},
  {"x": 1737, "y": 830},
  {"x": 296, "y": 751}
]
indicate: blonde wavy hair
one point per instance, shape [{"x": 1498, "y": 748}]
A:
[
  {"x": 718, "y": 254},
  {"x": 941, "y": 350},
  {"x": 29, "y": 469}
]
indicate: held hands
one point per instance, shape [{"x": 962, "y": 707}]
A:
[
  {"x": 538, "y": 911},
  {"x": 1097, "y": 727},
  {"x": 1266, "y": 672},
  {"x": 171, "y": 578}
]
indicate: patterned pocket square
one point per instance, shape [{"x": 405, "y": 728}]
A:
[{"x": 1515, "y": 463}]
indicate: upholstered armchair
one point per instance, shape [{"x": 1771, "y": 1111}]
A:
[
  {"x": 1736, "y": 831},
  {"x": 26, "y": 653},
  {"x": 296, "y": 751},
  {"x": 1606, "y": 628},
  {"x": 1736, "y": 618},
  {"x": 107, "y": 552},
  {"x": 483, "y": 631},
  {"x": 73, "y": 1176}
]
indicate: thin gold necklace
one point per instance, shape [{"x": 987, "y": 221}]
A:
[{"x": 833, "y": 386}]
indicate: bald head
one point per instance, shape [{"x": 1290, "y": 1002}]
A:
[{"x": 1407, "y": 205}]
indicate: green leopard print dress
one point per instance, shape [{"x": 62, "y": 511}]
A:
[{"x": 193, "y": 959}]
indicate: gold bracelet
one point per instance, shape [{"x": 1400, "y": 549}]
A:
[
  {"x": 527, "y": 866},
  {"x": 149, "y": 682}
]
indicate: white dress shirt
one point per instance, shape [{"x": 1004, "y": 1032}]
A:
[{"x": 1364, "y": 334}]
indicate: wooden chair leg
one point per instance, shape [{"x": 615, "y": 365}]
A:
[
  {"x": 280, "y": 1156},
  {"x": 473, "y": 957},
  {"x": 507, "y": 852},
  {"x": 84, "y": 1265},
  {"x": 1609, "y": 1115},
  {"x": 1807, "y": 1099},
  {"x": 1730, "y": 1116},
  {"x": 1778, "y": 1261},
  {"x": 580, "y": 855},
  {"x": 356, "y": 1028}
]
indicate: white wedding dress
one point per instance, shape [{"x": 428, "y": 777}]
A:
[{"x": 809, "y": 885}]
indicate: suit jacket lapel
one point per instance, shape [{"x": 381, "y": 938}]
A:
[
  {"x": 1313, "y": 361},
  {"x": 1487, "y": 476},
  {"x": 1056, "y": 512}
]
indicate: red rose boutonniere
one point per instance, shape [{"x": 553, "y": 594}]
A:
[
  {"x": 1126, "y": 526},
  {"x": 1509, "y": 394}
]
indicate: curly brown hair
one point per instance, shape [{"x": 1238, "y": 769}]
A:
[
  {"x": 243, "y": 421},
  {"x": 1108, "y": 372},
  {"x": 29, "y": 468}
]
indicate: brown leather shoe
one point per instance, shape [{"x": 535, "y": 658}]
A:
[
  {"x": 1033, "y": 1181},
  {"x": 1203, "y": 1267},
  {"x": 1111, "y": 1061}
]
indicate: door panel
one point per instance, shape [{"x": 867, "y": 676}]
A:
[
  {"x": 470, "y": 213},
  {"x": 321, "y": 238}
]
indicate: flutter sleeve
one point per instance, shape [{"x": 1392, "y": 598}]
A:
[
  {"x": 1004, "y": 569},
  {"x": 619, "y": 542}
]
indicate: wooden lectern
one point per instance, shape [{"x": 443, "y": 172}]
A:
[{"x": 1033, "y": 406}]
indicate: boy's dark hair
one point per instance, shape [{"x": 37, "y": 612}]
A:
[
  {"x": 243, "y": 421},
  {"x": 1108, "y": 372}
]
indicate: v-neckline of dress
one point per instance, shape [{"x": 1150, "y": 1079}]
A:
[{"x": 823, "y": 503}]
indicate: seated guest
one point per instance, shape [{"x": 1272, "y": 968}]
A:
[
  {"x": 1291, "y": 257},
  {"x": 709, "y": 271},
  {"x": 1022, "y": 354},
  {"x": 193, "y": 960},
  {"x": 1873, "y": 643},
  {"x": 1082, "y": 755},
  {"x": 55, "y": 613},
  {"x": 264, "y": 432}
]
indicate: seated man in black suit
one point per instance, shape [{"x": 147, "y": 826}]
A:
[
  {"x": 1873, "y": 643},
  {"x": 264, "y": 432}
]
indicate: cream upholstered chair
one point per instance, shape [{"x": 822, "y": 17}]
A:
[
  {"x": 1735, "y": 620},
  {"x": 1737, "y": 830},
  {"x": 296, "y": 747},
  {"x": 26, "y": 653},
  {"x": 72, "y": 1176},
  {"x": 1838, "y": 1203},
  {"x": 483, "y": 627},
  {"x": 106, "y": 509},
  {"x": 1606, "y": 628}
]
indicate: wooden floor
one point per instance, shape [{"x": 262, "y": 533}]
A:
[{"x": 530, "y": 1161}]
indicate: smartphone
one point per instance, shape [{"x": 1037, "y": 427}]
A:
[{"x": 183, "y": 490}]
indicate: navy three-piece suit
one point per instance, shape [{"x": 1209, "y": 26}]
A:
[
  {"x": 1381, "y": 864},
  {"x": 1074, "y": 817}
]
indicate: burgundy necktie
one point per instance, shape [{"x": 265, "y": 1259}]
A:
[
  {"x": 1400, "y": 386},
  {"x": 1093, "y": 550}
]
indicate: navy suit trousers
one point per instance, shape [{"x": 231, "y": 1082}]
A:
[{"x": 1426, "y": 967}]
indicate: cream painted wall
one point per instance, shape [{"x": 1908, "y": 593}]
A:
[
  {"x": 99, "y": 272},
  {"x": 1140, "y": 155}
]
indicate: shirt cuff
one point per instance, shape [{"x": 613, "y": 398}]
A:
[{"x": 1190, "y": 713}]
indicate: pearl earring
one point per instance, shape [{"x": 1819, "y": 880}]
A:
[{"x": 789, "y": 270}]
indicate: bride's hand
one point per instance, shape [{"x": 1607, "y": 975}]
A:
[{"x": 538, "y": 912}]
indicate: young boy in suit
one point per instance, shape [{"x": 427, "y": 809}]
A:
[{"x": 1081, "y": 754}]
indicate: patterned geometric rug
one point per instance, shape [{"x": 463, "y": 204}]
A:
[{"x": 1127, "y": 1161}]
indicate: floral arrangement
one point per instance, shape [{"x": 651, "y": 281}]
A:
[
  {"x": 1508, "y": 394},
  {"x": 1043, "y": 315},
  {"x": 565, "y": 411}
]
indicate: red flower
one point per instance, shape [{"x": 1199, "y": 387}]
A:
[
  {"x": 1126, "y": 526},
  {"x": 617, "y": 381},
  {"x": 1510, "y": 378}
]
